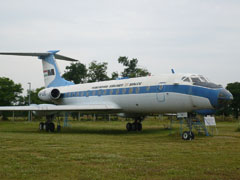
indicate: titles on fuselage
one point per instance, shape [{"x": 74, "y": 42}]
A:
[{"x": 117, "y": 85}]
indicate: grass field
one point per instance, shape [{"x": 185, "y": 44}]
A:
[{"x": 104, "y": 150}]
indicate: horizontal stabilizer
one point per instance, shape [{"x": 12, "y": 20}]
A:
[{"x": 57, "y": 56}]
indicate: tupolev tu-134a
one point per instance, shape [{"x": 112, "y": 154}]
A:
[{"x": 133, "y": 97}]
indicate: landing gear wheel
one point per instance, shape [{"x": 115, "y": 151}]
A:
[
  {"x": 58, "y": 128},
  {"x": 185, "y": 135},
  {"x": 51, "y": 127},
  {"x": 129, "y": 126},
  {"x": 41, "y": 126},
  {"x": 188, "y": 135},
  {"x": 134, "y": 126},
  {"x": 191, "y": 135},
  {"x": 139, "y": 126},
  {"x": 47, "y": 128}
]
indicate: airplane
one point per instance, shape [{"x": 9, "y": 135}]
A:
[{"x": 132, "y": 97}]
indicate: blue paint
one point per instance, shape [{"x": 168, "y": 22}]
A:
[{"x": 121, "y": 78}]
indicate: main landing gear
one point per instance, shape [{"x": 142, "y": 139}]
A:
[
  {"x": 49, "y": 126},
  {"x": 136, "y": 126}
]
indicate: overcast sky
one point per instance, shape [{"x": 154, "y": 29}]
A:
[{"x": 191, "y": 36}]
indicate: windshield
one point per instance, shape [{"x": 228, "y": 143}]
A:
[
  {"x": 203, "y": 79},
  {"x": 195, "y": 79},
  {"x": 200, "y": 80},
  {"x": 186, "y": 79}
]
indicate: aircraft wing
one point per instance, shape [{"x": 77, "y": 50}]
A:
[{"x": 52, "y": 107}]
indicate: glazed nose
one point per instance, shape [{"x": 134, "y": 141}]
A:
[{"x": 224, "y": 98}]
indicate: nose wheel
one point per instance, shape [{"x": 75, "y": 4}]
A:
[{"x": 187, "y": 135}]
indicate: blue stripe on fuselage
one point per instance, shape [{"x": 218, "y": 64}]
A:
[{"x": 208, "y": 93}]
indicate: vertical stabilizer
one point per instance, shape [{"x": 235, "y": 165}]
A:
[{"x": 52, "y": 77}]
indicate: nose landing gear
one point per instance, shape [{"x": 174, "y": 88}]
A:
[{"x": 187, "y": 135}]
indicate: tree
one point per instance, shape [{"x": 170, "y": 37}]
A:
[
  {"x": 76, "y": 72},
  {"x": 115, "y": 75},
  {"x": 131, "y": 69},
  {"x": 234, "y": 88},
  {"x": 97, "y": 72},
  {"x": 9, "y": 93}
]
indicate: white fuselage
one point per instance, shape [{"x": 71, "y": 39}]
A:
[{"x": 145, "y": 95}]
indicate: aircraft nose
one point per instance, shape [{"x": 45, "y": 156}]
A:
[{"x": 224, "y": 98}]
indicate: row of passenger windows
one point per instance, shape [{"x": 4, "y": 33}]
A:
[{"x": 135, "y": 90}]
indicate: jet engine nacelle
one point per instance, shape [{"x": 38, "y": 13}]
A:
[{"x": 50, "y": 94}]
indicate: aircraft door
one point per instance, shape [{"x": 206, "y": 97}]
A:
[{"x": 160, "y": 93}]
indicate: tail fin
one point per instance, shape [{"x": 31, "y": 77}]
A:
[{"x": 52, "y": 77}]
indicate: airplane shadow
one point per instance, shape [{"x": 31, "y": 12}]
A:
[
  {"x": 106, "y": 131},
  {"x": 113, "y": 131}
]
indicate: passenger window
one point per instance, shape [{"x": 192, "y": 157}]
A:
[
  {"x": 87, "y": 94},
  {"x": 111, "y": 91},
  {"x": 147, "y": 88},
  {"x": 99, "y": 93},
  {"x": 124, "y": 91},
  {"x": 130, "y": 90},
  {"x": 160, "y": 87},
  {"x": 93, "y": 93},
  {"x": 82, "y": 93},
  {"x": 105, "y": 92},
  {"x": 137, "y": 90},
  {"x": 117, "y": 91}
]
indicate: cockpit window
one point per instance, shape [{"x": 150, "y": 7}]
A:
[
  {"x": 203, "y": 79},
  {"x": 200, "y": 80},
  {"x": 186, "y": 79},
  {"x": 195, "y": 79}
]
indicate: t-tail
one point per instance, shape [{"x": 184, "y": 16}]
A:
[{"x": 52, "y": 77}]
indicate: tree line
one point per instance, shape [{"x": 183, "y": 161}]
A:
[
  {"x": 97, "y": 71},
  {"x": 11, "y": 93}
]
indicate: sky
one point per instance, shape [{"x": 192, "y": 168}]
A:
[{"x": 190, "y": 36}]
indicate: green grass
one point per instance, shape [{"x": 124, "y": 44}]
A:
[{"x": 104, "y": 150}]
